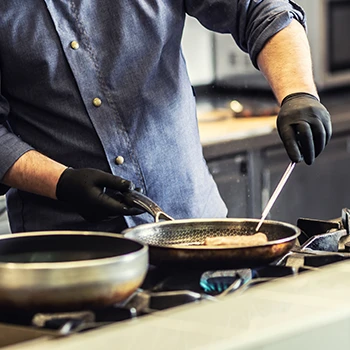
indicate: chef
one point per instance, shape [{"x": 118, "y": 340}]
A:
[{"x": 95, "y": 100}]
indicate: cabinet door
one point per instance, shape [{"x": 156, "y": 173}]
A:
[
  {"x": 231, "y": 178},
  {"x": 4, "y": 224},
  {"x": 319, "y": 191}
]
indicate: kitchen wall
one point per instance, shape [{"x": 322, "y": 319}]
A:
[
  {"x": 213, "y": 56},
  {"x": 197, "y": 45},
  {"x": 229, "y": 67}
]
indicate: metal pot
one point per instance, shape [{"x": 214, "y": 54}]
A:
[
  {"x": 68, "y": 270},
  {"x": 180, "y": 242}
]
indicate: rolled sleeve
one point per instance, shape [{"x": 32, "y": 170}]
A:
[
  {"x": 251, "y": 22},
  {"x": 11, "y": 147}
]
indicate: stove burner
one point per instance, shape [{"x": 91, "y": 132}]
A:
[
  {"x": 321, "y": 243},
  {"x": 312, "y": 227},
  {"x": 220, "y": 283}
]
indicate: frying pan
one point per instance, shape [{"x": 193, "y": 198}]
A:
[
  {"x": 180, "y": 242},
  {"x": 68, "y": 270}
]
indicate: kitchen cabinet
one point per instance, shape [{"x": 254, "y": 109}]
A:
[
  {"x": 247, "y": 172},
  {"x": 230, "y": 174},
  {"x": 4, "y": 224},
  {"x": 317, "y": 191}
]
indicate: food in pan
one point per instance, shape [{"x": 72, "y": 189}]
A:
[{"x": 238, "y": 241}]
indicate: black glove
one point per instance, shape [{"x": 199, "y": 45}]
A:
[
  {"x": 304, "y": 126},
  {"x": 86, "y": 191}
]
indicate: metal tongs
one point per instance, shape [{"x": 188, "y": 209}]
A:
[{"x": 275, "y": 194}]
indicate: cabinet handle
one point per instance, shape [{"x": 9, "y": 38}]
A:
[{"x": 244, "y": 167}]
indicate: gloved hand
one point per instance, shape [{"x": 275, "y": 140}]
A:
[
  {"x": 304, "y": 126},
  {"x": 86, "y": 191}
]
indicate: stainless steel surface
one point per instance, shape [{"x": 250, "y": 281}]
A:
[
  {"x": 190, "y": 234},
  {"x": 181, "y": 241},
  {"x": 166, "y": 288},
  {"x": 95, "y": 269},
  {"x": 330, "y": 241},
  {"x": 275, "y": 194}
]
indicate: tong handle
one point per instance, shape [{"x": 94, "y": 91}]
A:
[{"x": 275, "y": 194}]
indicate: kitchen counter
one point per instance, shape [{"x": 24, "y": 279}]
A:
[
  {"x": 230, "y": 129},
  {"x": 309, "y": 311},
  {"x": 217, "y": 123},
  {"x": 229, "y": 135}
]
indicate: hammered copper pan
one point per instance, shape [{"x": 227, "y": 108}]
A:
[{"x": 180, "y": 242}]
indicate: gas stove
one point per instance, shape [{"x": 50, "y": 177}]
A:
[{"x": 321, "y": 243}]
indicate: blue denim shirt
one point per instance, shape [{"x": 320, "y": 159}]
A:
[{"x": 85, "y": 81}]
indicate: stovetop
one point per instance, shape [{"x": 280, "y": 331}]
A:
[{"x": 321, "y": 243}]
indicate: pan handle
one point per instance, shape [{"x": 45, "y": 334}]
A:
[{"x": 141, "y": 201}]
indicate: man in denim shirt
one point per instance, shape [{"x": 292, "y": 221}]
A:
[{"x": 95, "y": 92}]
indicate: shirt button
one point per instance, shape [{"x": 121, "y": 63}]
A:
[
  {"x": 96, "y": 102},
  {"x": 119, "y": 160},
  {"x": 74, "y": 45}
]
